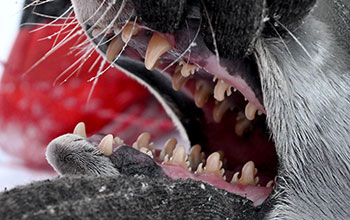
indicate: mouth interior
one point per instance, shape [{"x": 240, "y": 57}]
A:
[{"x": 227, "y": 92}]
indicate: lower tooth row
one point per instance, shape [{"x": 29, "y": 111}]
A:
[
  {"x": 172, "y": 154},
  {"x": 143, "y": 141},
  {"x": 248, "y": 175},
  {"x": 194, "y": 161}
]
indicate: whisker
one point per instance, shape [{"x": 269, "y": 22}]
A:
[
  {"x": 192, "y": 44},
  {"x": 96, "y": 79},
  {"x": 63, "y": 42},
  {"x": 302, "y": 47},
  {"x": 95, "y": 63},
  {"x": 111, "y": 25},
  {"x": 282, "y": 41},
  {"x": 52, "y": 22},
  {"x": 120, "y": 53},
  {"x": 93, "y": 14},
  {"x": 212, "y": 34},
  {"x": 85, "y": 57},
  {"x": 63, "y": 28}
]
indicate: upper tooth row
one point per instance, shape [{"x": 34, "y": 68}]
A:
[{"x": 159, "y": 45}]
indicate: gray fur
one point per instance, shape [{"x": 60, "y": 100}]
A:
[
  {"x": 72, "y": 155},
  {"x": 306, "y": 88}
]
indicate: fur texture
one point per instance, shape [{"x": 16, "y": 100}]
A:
[{"x": 305, "y": 80}]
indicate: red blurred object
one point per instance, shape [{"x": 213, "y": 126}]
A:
[{"x": 34, "y": 110}]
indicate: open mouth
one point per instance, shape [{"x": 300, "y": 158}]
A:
[{"x": 216, "y": 103}]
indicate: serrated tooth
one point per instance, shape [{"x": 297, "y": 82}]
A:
[
  {"x": 118, "y": 141},
  {"x": 235, "y": 178},
  {"x": 220, "y": 89},
  {"x": 187, "y": 69},
  {"x": 200, "y": 168},
  {"x": 129, "y": 31},
  {"x": 166, "y": 158},
  {"x": 250, "y": 111},
  {"x": 248, "y": 175},
  {"x": 80, "y": 130},
  {"x": 114, "y": 48},
  {"x": 196, "y": 156},
  {"x": 202, "y": 93},
  {"x": 242, "y": 126},
  {"x": 157, "y": 46},
  {"x": 106, "y": 145},
  {"x": 168, "y": 148},
  {"x": 270, "y": 184},
  {"x": 256, "y": 180},
  {"x": 179, "y": 157},
  {"x": 143, "y": 141},
  {"x": 214, "y": 164},
  {"x": 220, "y": 109},
  {"x": 146, "y": 151},
  {"x": 178, "y": 81}
]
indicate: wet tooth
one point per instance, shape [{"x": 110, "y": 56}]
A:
[
  {"x": 248, "y": 174},
  {"x": 157, "y": 46},
  {"x": 168, "y": 148},
  {"x": 114, "y": 48},
  {"x": 229, "y": 91},
  {"x": 200, "y": 168},
  {"x": 118, "y": 141},
  {"x": 96, "y": 32},
  {"x": 187, "y": 69},
  {"x": 256, "y": 180},
  {"x": 196, "y": 156},
  {"x": 178, "y": 81},
  {"x": 166, "y": 158},
  {"x": 146, "y": 151},
  {"x": 179, "y": 157},
  {"x": 220, "y": 109},
  {"x": 143, "y": 141},
  {"x": 242, "y": 126},
  {"x": 126, "y": 34},
  {"x": 116, "y": 29},
  {"x": 214, "y": 164},
  {"x": 220, "y": 89},
  {"x": 235, "y": 178},
  {"x": 250, "y": 111},
  {"x": 202, "y": 93},
  {"x": 270, "y": 184},
  {"x": 106, "y": 145},
  {"x": 80, "y": 129}
]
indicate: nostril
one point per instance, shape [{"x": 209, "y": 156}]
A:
[{"x": 164, "y": 16}]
